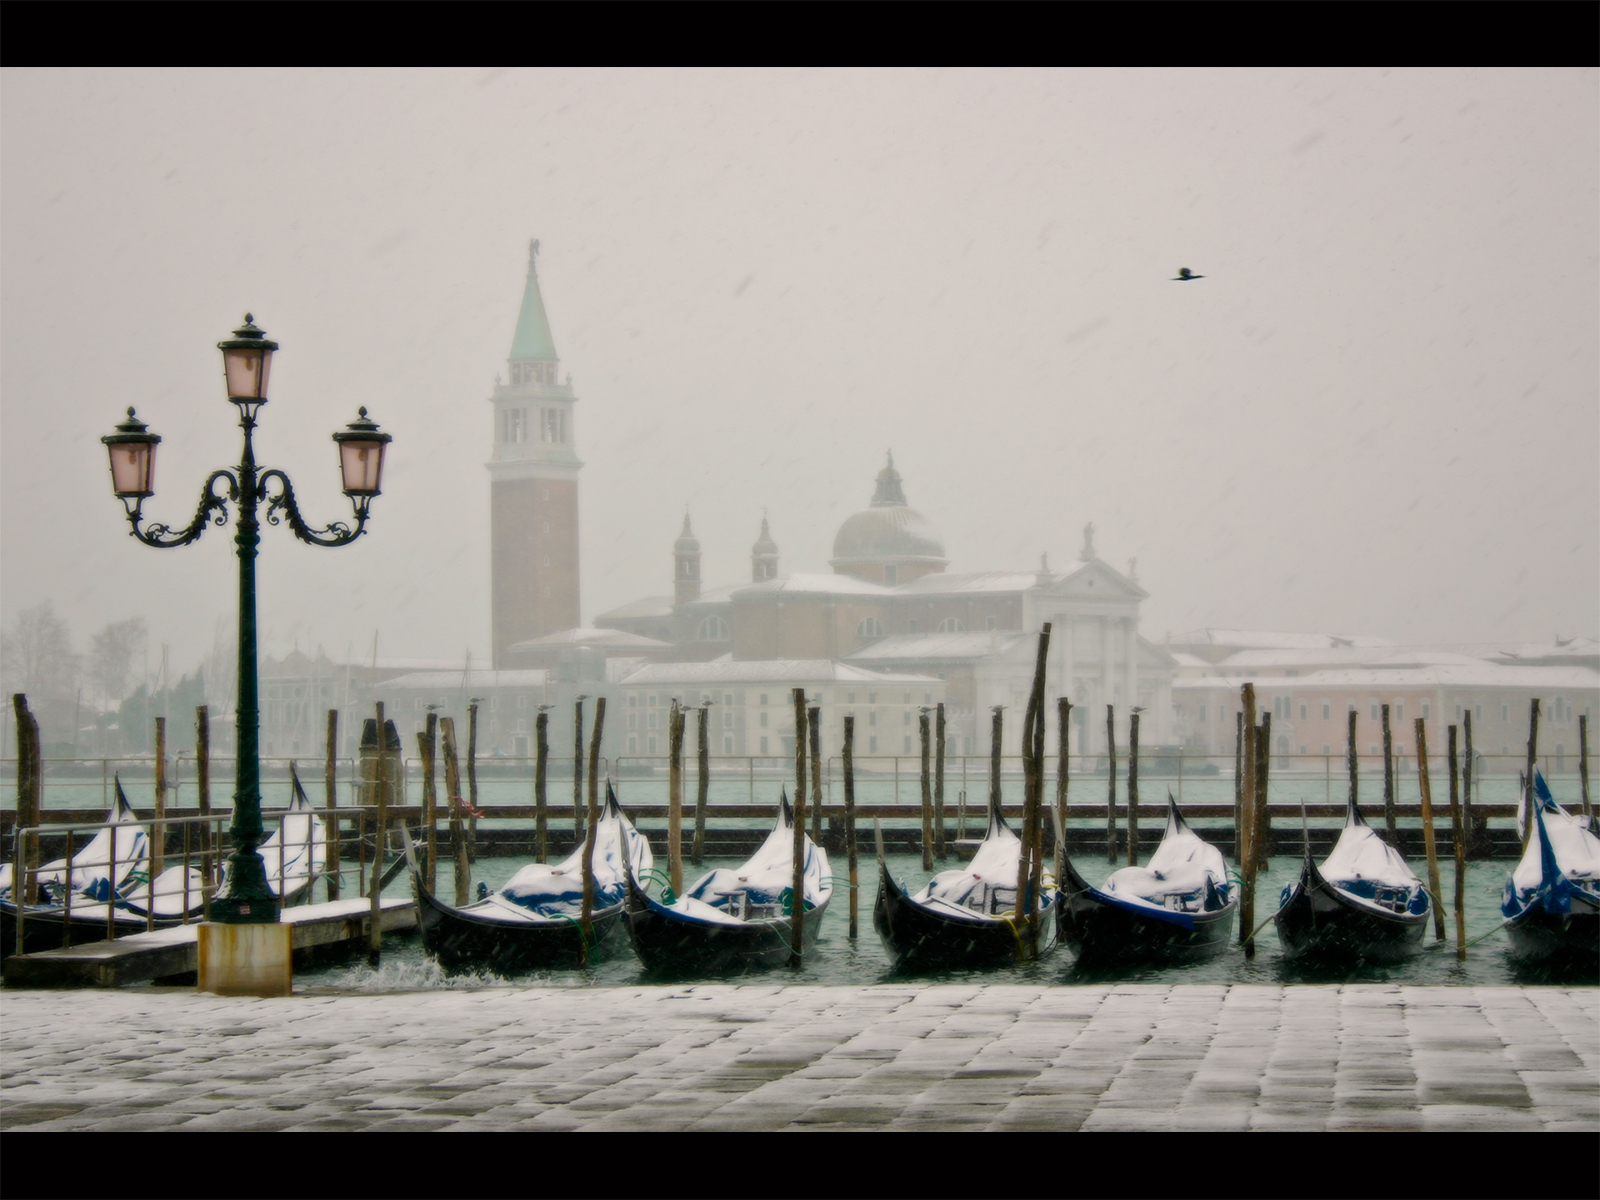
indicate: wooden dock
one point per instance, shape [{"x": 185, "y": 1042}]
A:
[{"x": 173, "y": 956}]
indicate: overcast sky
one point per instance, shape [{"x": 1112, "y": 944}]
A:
[{"x": 1378, "y": 413}]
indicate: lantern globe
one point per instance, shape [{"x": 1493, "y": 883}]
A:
[
  {"x": 133, "y": 459},
  {"x": 361, "y": 450},
  {"x": 247, "y": 364}
]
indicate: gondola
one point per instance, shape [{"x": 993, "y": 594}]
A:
[
  {"x": 534, "y": 921},
  {"x": 296, "y": 855},
  {"x": 1180, "y": 908},
  {"x": 135, "y": 905},
  {"x": 962, "y": 919},
  {"x": 738, "y": 917},
  {"x": 1363, "y": 905},
  {"x": 1552, "y": 898}
]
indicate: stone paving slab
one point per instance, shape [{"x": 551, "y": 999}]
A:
[{"x": 766, "y": 1057}]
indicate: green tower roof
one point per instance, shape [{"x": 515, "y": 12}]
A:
[{"x": 533, "y": 342}]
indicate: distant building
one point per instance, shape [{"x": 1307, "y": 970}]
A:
[
  {"x": 890, "y": 606},
  {"x": 1310, "y": 683}
]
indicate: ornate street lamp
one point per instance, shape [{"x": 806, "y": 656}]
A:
[{"x": 247, "y": 363}]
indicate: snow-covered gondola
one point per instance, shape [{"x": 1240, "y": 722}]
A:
[
  {"x": 114, "y": 861},
  {"x": 1552, "y": 898},
  {"x": 296, "y": 854},
  {"x": 962, "y": 919},
  {"x": 1364, "y": 904},
  {"x": 1178, "y": 909},
  {"x": 734, "y": 917},
  {"x": 534, "y": 921}
]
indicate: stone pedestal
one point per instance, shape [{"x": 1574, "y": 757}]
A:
[{"x": 246, "y": 960}]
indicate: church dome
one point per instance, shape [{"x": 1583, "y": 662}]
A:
[{"x": 889, "y": 532}]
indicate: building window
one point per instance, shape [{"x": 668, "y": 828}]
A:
[
  {"x": 727, "y": 745},
  {"x": 870, "y": 627},
  {"x": 633, "y": 720},
  {"x": 1400, "y": 710},
  {"x": 952, "y": 625},
  {"x": 633, "y": 745},
  {"x": 763, "y": 697},
  {"x": 872, "y": 744},
  {"x": 905, "y": 719},
  {"x": 872, "y": 718},
  {"x": 1373, "y": 716},
  {"x": 763, "y": 720},
  {"x": 653, "y": 725},
  {"x": 1202, "y": 711},
  {"x": 908, "y": 745},
  {"x": 1477, "y": 712},
  {"x": 1505, "y": 715},
  {"x": 1326, "y": 713},
  {"x": 652, "y": 745},
  {"x": 728, "y": 698},
  {"x": 991, "y": 623},
  {"x": 727, "y": 720},
  {"x": 712, "y": 629},
  {"x": 763, "y": 745},
  {"x": 872, "y": 698},
  {"x": 1425, "y": 708},
  {"x": 1302, "y": 717}
]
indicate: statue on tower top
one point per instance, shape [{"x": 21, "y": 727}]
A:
[
  {"x": 1087, "y": 553},
  {"x": 533, "y": 254}
]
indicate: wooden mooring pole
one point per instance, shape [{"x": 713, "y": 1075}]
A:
[
  {"x": 472, "y": 781},
  {"x": 577, "y": 768},
  {"x": 1528, "y": 799},
  {"x": 1583, "y": 767},
  {"x": 850, "y": 815},
  {"x": 1029, "y": 860},
  {"x": 1457, "y": 826},
  {"x": 330, "y": 793},
  {"x": 927, "y": 790},
  {"x": 1261, "y": 842},
  {"x": 1245, "y": 834},
  {"x": 458, "y": 833},
  {"x": 996, "y": 728},
  {"x": 938, "y": 781},
  {"x": 1063, "y": 724},
  {"x": 702, "y": 782},
  {"x": 1133, "y": 789},
  {"x": 30, "y": 801},
  {"x": 541, "y": 776},
  {"x": 1427, "y": 830},
  {"x": 675, "y": 798},
  {"x": 797, "y": 904},
  {"x": 1111, "y": 785},
  {"x": 814, "y": 740},
  {"x": 1389, "y": 814},
  {"x": 158, "y": 830},
  {"x": 589, "y": 833},
  {"x": 427, "y": 746}
]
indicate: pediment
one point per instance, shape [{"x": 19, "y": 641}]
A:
[{"x": 1096, "y": 580}]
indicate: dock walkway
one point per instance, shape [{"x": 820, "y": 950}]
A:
[{"x": 770, "y": 1057}]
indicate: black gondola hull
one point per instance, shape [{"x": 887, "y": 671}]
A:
[
  {"x": 461, "y": 941},
  {"x": 1319, "y": 923},
  {"x": 1104, "y": 931},
  {"x": 1567, "y": 941},
  {"x": 673, "y": 943},
  {"x": 918, "y": 938}
]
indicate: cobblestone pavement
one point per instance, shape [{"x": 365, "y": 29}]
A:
[{"x": 727, "y": 1057}]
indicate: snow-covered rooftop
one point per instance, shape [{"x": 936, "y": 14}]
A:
[
  {"x": 938, "y": 646},
  {"x": 473, "y": 680},
  {"x": 1262, "y": 640},
  {"x": 590, "y": 636},
  {"x": 1479, "y": 674},
  {"x": 774, "y": 671},
  {"x": 814, "y": 584}
]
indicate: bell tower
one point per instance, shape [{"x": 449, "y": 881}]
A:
[{"x": 533, "y": 486}]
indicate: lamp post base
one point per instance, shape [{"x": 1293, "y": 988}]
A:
[
  {"x": 246, "y": 960},
  {"x": 248, "y": 898}
]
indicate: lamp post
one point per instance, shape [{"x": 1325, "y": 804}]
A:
[{"x": 247, "y": 361}]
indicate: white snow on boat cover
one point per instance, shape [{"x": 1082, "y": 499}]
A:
[
  {"x": 89, "y": 865},
  {"x": 169, "y": 893},
  {"x": 1181, "y": 866},
  {"x": 556, "y": 891},
  {"x": 989, "y": 883},
  {"x": 1577, "y": 852},
  {"x": 1361, "y": 854},
  {"x": 763, "y": 877}
]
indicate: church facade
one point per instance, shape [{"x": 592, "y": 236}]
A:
[{"x": 890, "y": 606}]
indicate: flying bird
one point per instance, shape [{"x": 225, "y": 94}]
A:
[{"x": 1183, "y": 276}]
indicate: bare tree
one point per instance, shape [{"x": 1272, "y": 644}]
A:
[
  {"x": 36, "y": 654},
  {"x": 112, "y": 655}
]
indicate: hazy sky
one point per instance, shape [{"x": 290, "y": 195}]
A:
[{"x": 1378, "y": 412}]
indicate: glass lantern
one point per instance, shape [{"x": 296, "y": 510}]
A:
[
  {"x": 246, "y": 364},
  {"x": 133, "y": 459},
  {"x": 361, "y": 447}
]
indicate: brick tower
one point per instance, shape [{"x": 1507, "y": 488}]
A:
[{"x": 533, "y": 487}]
